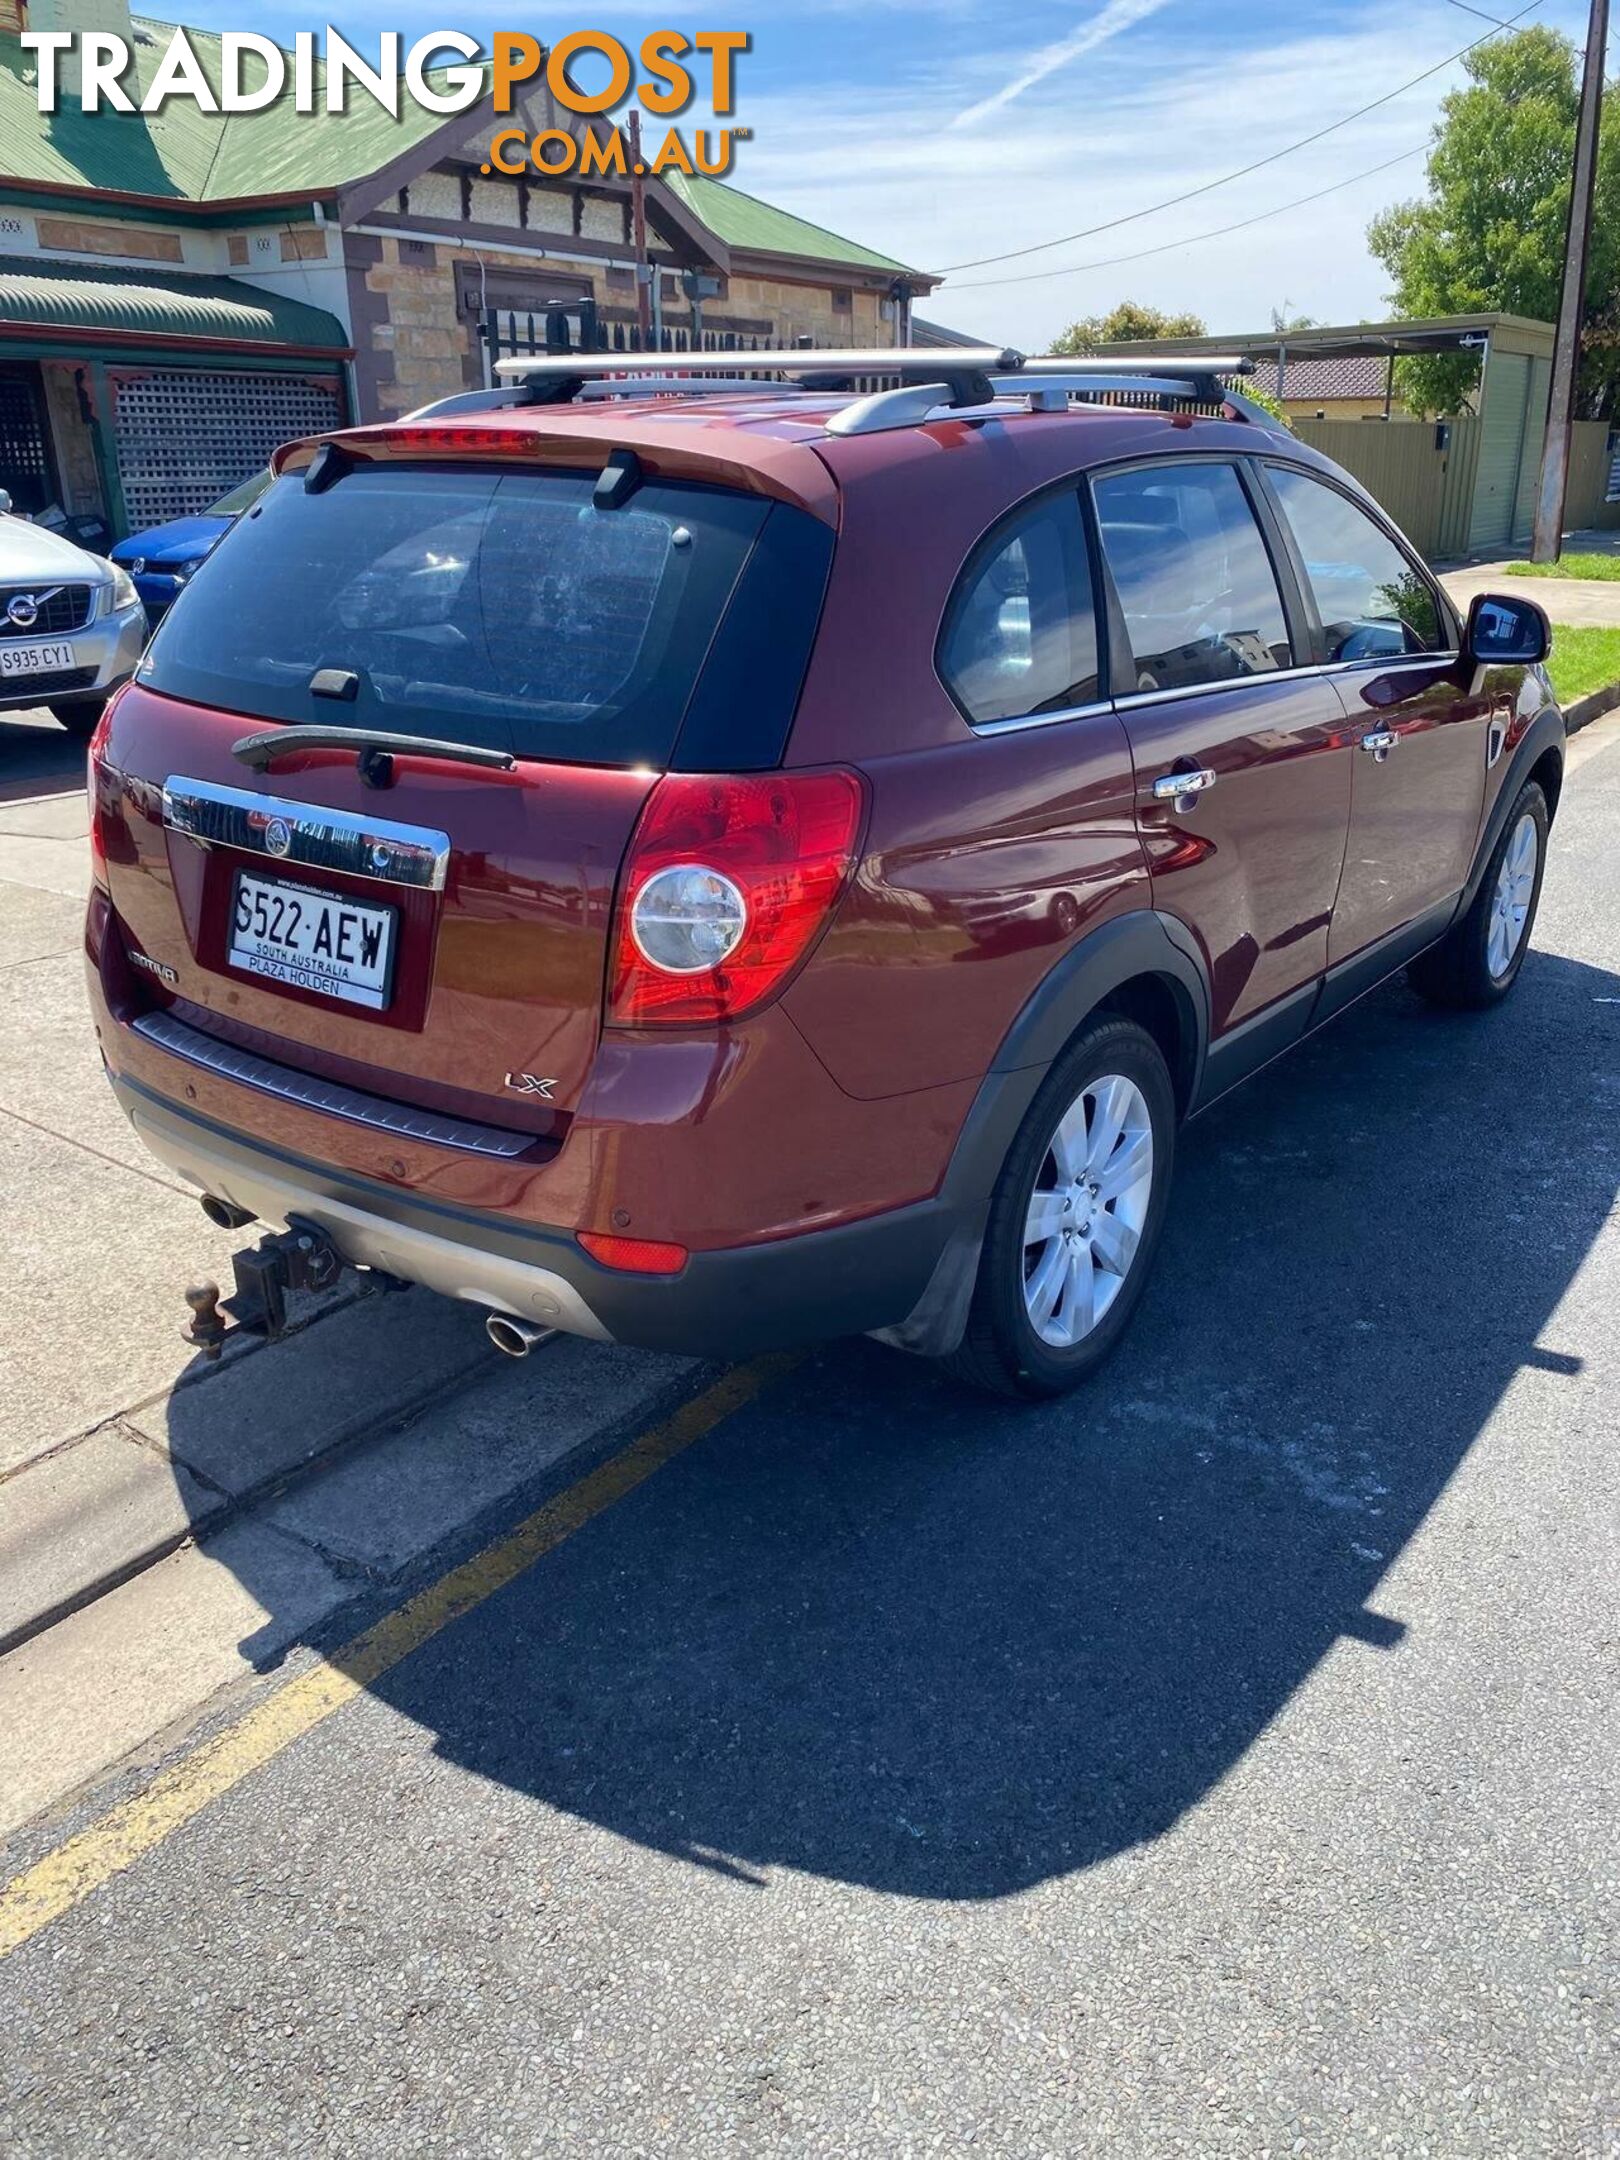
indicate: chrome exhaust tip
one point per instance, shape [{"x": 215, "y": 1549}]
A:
[
  {"x": 515, "y": 1338},
  {"x": 223, "y": 1215}
]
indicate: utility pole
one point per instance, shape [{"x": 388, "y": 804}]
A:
[
  {"x": 638, "y": 228},
  {"x": 1549, "y": 536}
]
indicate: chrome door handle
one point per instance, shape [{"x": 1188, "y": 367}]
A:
[
  {"x": 1182, "y": 788},
  {"x": 1381, "y": 742}
]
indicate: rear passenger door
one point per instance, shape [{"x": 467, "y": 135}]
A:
[
  {"x": 1242, "y": 764},
  {"x": 1419, "y": 729}
]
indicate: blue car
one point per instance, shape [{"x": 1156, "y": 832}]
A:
[{"x": 164, "y": 557}]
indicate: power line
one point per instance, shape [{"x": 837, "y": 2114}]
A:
[
  {"x": 1090, "y": 232},
  {"x": 1169, "y": 247}
]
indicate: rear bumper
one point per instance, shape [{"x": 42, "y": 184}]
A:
[{"x": 854, "y": 1279}]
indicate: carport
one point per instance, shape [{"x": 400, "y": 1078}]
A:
[
  {"x": 1459, "y": 486},
  {"x": 139, "y": 395}
]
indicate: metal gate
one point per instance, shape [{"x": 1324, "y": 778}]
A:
[
  {"x": 25, "y": 452},
  {"x": 1504, "y": 407},
  {"x": 185, "y": 437}
]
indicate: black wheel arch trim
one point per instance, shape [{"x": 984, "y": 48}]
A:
[
  {"x": 1140, "y": 942},
  {"x": 1546, "y": 732}
]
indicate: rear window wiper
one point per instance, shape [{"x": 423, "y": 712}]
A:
[{"x": 375, "y": 750}]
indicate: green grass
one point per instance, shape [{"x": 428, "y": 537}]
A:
[
  {"x": 1606, "y": 568},
  {"x": 1582, "y": 660}
]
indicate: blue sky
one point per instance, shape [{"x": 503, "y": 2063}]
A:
[{"x": 943, "y": 130}]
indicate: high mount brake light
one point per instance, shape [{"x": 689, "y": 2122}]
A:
[
  {"x": 467, "y": 441},
  {"x": 729, "y": 880}
]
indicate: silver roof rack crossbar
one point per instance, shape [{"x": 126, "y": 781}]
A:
[
  {"x": 687, "y": 386},
  {"x": 1175, "y": 367},
  {"x": 1047, "y": 386},
  {"x": 905, "y": 360}
]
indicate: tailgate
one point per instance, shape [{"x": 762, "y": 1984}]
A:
[{"x": 441, "y": 940}]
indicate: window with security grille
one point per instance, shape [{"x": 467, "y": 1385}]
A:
[
  {"x": 185, "y": 438},
  {"x": 25, "y": 466}
]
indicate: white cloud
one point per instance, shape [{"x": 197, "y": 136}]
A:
[{"x": 1117, "y": 16}]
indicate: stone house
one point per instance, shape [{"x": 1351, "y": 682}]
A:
[{"x": 180, "y": 292}]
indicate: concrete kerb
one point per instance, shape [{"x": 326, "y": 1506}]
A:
[{"x": 98, "y": 1509}]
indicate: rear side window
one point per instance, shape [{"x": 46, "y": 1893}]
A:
[
  {"x": 1194, "y": 580},
  {"x": 1373, "y": 602},
  {"x": 495, "y": 608},
  {"x": 1021, "y": 632}
]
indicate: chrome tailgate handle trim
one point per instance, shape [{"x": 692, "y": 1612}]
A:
[{"x": 307, "y": 835}]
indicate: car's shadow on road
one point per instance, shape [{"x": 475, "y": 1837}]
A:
[{"x": 889, "y": 1633}]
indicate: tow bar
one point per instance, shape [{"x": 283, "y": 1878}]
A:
[{"x": 301, "y": 1257}]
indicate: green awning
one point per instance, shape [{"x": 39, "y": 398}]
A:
[{"x": 139, "y": 305}]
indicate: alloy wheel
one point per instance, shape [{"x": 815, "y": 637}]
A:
[
  {"x": 1510, "y": 906},
  {"x": 1088, "y": 1210}
]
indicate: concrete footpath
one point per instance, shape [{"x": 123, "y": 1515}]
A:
[
  {"x": 1579, "y": 603},
  {"x": 239, "y": 1505}
]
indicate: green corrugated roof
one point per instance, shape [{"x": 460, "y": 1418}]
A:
[
  {"x": 188, "y": 154},
  {"x": 743, "y": 221},
  {"x": 141, "y": 303}
]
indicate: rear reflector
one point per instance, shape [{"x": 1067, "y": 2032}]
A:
[
  {"x": 634, "y": 1255},
  {"x": 746, "y": 868}
]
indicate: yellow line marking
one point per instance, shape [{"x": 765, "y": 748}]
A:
[{"x": 68, "y": 1875}]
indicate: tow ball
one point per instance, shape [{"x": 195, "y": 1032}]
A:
[{"x": 301, "y": 1257}]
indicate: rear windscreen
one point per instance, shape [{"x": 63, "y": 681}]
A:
[{"x": 501, "y": 609}]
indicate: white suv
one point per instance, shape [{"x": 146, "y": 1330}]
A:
[{"x": 71, "y": 624}]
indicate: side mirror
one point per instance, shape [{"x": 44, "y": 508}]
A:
[
  {"x": 5, "y": 503},
  {"x": 1503, "y": 632}
]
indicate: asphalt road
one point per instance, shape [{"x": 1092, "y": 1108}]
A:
[{"x": 1222, "y": 1762}]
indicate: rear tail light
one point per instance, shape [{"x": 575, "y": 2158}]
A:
[
  {"x": 94, "y": 758},
  {"x": 728, "y": 882},
  {"x": 635, "y": 1255}
]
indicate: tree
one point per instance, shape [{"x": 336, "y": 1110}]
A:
[
  {"x": 1129, "y": 323},
  {"x": 1489, "y": 235},
  {"x": 1282, "y": 322}
]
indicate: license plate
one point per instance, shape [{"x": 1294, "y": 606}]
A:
[
  {"x": 34, "y": 659},
  {"x": 312, "y": 940}
]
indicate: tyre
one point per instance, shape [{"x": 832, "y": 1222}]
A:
[
  {"x": 79, "y": 717},
  {"x": 1478, "y": 960},
  {"x": 1074, "y": 1218}
]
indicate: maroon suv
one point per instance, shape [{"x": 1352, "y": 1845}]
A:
[{"x": 717, "y": 870}]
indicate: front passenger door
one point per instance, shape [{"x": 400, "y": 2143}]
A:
[{"x": 1420, "y": 732}]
